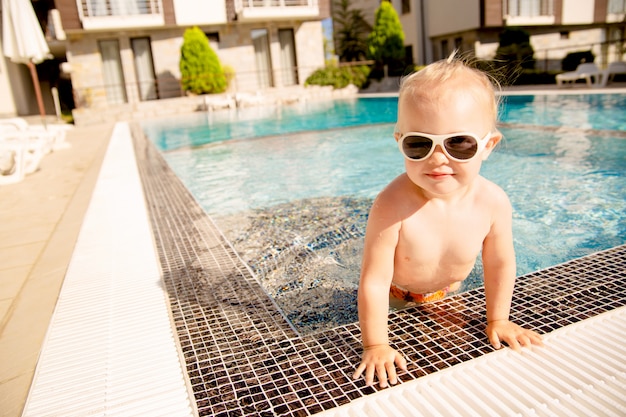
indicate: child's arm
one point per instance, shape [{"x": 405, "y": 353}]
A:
[
  {"x": 381, "y": 238},
  {"x": 500, "y": 273}
]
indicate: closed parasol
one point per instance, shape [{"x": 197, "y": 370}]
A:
[{"x": 23, "y": 41}]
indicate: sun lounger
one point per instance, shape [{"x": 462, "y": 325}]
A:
[
  {"x": 612, "y": 69},
  {"x": 18, "y": 157},
  {"x": 11, "y": 162},
  {"x": 53, "y": 134},
  {"x": 216, "y": 102},
  {"x": 585, "y": 71}
]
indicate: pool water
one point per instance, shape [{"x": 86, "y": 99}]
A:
[{"x": 293, "y": 195}]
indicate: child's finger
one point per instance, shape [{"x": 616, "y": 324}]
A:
[
  {"x": 391, "y": 373},
  {"x": 369, "y": 375},
  {"x": 535, "y": 338},
  {"x": 359, "y": 371},
  {"x": 400, "y": 361},
  {"x": 381, "y": 372},
  {"x": 514, "y": 344},
  {"x": 494, "y": 340}
]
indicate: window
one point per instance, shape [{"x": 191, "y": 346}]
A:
[
  {"x": 288, "y": 57},
  {"x": 114, "y": 83},
  {"x": 408, "y": 55},
  {"x": 528, "y": 8},
  {"x": 260, "y": 41},
  {"x": 458, "y": 44},
  {"x": 144, "y": 68},
  {"x": 406, "y": 6},
  {"x": 214, "y": 39},
  {"x": 617, "y": 6}
]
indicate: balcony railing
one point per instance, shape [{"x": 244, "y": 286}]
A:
[
  {"x": 111, "y": 14},
  {"x": 256, "y": 10},
  {"x": 529, "y": 12}
]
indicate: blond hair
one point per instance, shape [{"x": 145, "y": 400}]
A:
[{"x": 424, "y": 84}]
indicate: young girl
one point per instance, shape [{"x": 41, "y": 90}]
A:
[{"x": 426, "y": 228}]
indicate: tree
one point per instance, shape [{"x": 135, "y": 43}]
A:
[
  {"x": 386, "y": 41},
  {"x": 514, "y": 53},
  {"x": 200, "y": 68},
  {"x": 351, "y": 30}
]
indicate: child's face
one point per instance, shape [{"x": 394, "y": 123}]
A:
[{"x": 457, "y": 109}]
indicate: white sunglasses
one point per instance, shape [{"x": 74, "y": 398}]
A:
[{"x": 460, "y": 147}]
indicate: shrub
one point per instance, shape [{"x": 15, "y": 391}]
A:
[
  {"x": 573, "y": 59},
  {"x": 514, "y": 54},
  {"x": 521, "y": 77},
  {"x": 200, "y": 68},
  {"x": 386, "y": 40},
  {"x": 340, "y": 77}
]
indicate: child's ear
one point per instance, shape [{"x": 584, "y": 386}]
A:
[
  {"x": 396, "y": 132},
  {"x": 493, "y": 141}
]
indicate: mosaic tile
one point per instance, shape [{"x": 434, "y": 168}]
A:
[{"x": 243, "y": 358}]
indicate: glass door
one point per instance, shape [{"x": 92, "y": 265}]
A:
[
  {"x": 260, "y": 41},
  {"x": 288, "y": 57},
  {"x": 112, "y": 72},
  {"x": 144, "y": 68}
]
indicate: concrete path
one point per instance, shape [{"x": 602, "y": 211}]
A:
[{"x": 40, "y": 218}]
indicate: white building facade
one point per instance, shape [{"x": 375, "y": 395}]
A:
[
  {"x": 434, "y": 28},
  {"x": 128, "y": 51}
]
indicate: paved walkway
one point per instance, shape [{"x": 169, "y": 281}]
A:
[{"x": 40, "y": 218}]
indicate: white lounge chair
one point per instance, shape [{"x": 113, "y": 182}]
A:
[
  {"x": 610, "y": 71},
  {"x": 222, "y": 101},
  {"x": 19, "y": 156},
  {"x": 52, "y": 133},
  {"x": 585, "y": 71}
]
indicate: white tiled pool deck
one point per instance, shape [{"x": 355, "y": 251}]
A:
[{"x": 84, "y": 368}]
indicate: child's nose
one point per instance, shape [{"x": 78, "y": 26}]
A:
[{"x": 438, "y": 155}]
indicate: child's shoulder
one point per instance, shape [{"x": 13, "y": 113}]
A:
[
  {"x": 491, "y": 191},
  {"x": 395, "y": 190}
]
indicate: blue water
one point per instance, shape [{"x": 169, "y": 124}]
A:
[{"x": 568, "y": 188}]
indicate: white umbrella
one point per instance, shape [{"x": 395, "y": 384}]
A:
[{"x": 23, "y": 41}]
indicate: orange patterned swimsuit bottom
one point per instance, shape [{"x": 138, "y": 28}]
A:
[{"x": 412, "y": 297}]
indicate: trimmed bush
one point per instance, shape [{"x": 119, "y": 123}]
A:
[
  {"x": 386, "y": 40},
  {"x": 339, "y": 77},
  {"x": 200, "y": 68},
  {"x": 574, "y": 59}
]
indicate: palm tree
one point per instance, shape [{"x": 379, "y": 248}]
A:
[{"x": 351, "y": 30}]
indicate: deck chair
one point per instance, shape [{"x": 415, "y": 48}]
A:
[
  {"x": 18, "y": 157},
  {"x": 585, "y": 71},
  {"x": 611, "y": 70},
  {"x": 53, "y": 134}
]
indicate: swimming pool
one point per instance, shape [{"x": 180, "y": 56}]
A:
[{"x": 295, "y": 205}]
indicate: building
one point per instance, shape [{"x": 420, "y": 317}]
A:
[
  {"x": 118, "y": 53},
  {"x": 434, "y": 28}
]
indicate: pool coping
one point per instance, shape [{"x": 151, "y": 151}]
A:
[{"x": 244, "y": 358}]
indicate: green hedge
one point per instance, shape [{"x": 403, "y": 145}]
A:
[{"x": 340, "y": 77}]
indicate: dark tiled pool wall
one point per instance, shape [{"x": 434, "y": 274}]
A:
[{"x": 244, "y": 359}]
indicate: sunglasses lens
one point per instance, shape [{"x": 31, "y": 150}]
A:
[
  {"x": 461, "y": 147},
  {"x": 416, "y": 147}
]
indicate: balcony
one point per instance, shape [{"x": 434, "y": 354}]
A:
[
  {"x": 120, "y": 14},
  {"x": 259, "y": 10},
  {"x": 528, "y": 12}
]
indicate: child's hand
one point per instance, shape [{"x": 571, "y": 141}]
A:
[
  {"x": 515, "y": 336},
  {"x": 380, "y": 360}
]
